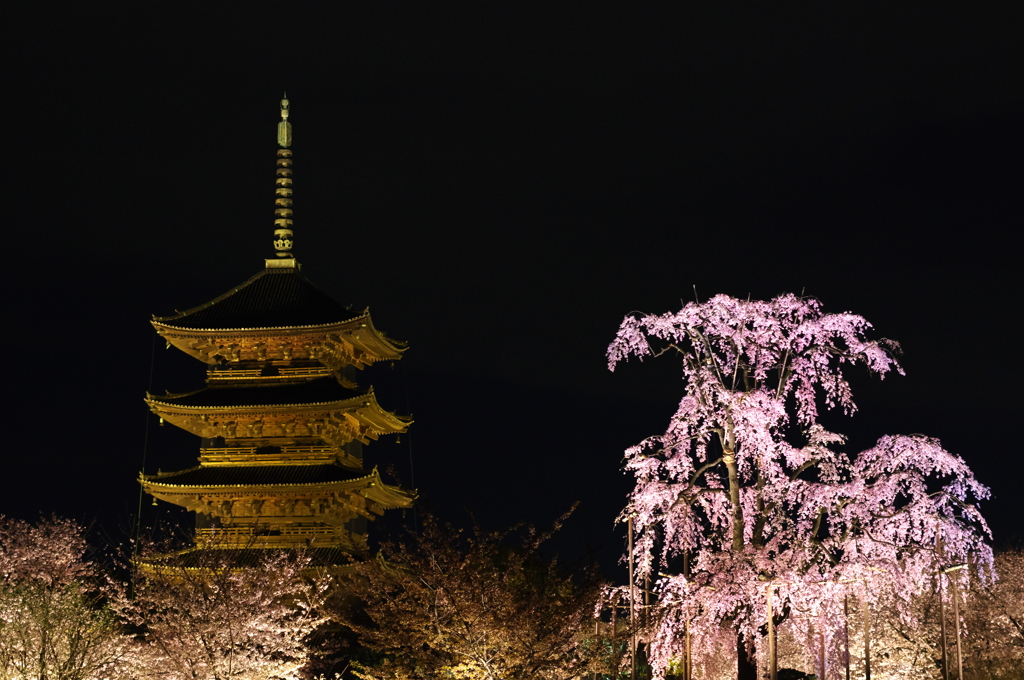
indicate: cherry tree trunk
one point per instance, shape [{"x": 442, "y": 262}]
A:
[{"x": 746, "y": 668}]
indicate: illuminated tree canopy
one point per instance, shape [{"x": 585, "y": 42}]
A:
[
  {"x": 748, "y": 481},
  {"x": 483, "y": 606},
  {"x": 55, "y": 616},
  {"x": 219, "y": 616}
]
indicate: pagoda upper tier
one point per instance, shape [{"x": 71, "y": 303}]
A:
[
  {"x": 321, "y": 408},
  {"x": 278, "y": 315}
]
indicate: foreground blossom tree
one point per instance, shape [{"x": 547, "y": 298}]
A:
[
  {"x": 994, "y": 620},
  {"x": 55, "y": 616},
  {"x": 748, "y": 484},
  {"x": 224, "y": 614},
  {"x": 991, "y": 623},
  {"x": 485, "y": 606}
]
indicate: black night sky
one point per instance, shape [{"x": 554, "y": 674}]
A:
[{"x": 501, "y": 186}]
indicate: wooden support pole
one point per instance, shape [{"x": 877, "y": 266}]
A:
[
  {"x": 632, "y": 607},
  {"x": 846, "y": 632},
  {"x": 647, "y": 602},
  {"x": 956, "y": 622},
  {"x": 821, "y": 652},
  {"x": 867, "y": 638},
  {"x": 942, "y": 628},
  {"x": 689, "y": 654},
  {"x": 942, "y": 607},
  {"x": 773, "y": 665},
  {"x": 688, "y": 665}
]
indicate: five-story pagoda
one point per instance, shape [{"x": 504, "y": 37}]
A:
[{"x": 281, "y": 419}]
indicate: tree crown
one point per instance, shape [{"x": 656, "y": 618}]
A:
[{"x": 726, "y": 485}]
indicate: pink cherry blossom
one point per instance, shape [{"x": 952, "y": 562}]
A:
[{"x": 748, "y": 482}]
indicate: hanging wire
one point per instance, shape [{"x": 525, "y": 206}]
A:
[
  {"x": 408, "y": 439},
  {"x": 145, "y": 449}
]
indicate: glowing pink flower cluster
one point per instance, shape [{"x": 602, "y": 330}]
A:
[
  {"x": 748, "y": 482},
  {"x": 56, "y": 617}
]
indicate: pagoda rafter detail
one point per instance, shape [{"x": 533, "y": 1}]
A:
[
  {"x": 351, "y": 343},
  {"x": 278, "y": 513},
  {"x": 359, "y": 418}
]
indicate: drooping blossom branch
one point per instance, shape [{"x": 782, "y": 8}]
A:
[{"x": 751, "y": 485}]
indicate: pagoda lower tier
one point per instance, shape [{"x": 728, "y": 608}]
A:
[
  {"x": 277, "y": 506},
  {"x": 281, "y": 461}
]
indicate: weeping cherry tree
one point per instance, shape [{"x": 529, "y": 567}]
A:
[{"x": 759, "y": 495}]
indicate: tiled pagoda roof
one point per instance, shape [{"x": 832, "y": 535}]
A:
[
  {"x": 273, "y": 298},
  {"x": 319, "y": 391},
  {"x": 257, "y": 475},
  {"x": 243, "y": 480}
]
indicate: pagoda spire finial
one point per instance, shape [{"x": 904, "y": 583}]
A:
[
  {"x": 283, "y": 237},
  {"x": 284, "y": 128}
]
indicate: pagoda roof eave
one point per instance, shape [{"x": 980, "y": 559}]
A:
[
  {"x": 336, "y": 421},
  {"x": 381, "y": 493},
  {"x": 265, "y": 292},
  {"x": 158, "y": 323},
  {"x": 163, "y": 564},
  {"x": 385, "y": 495},
  {"x": 273, "y": 300},
  {"x": 179, "y": 408},
  {"x": 358, "y": 330},
  {"x": 360, "y": 402},
  {"x": 398, "y": 345}
]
